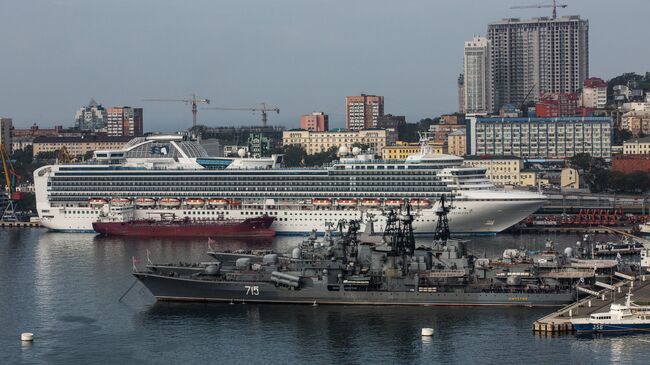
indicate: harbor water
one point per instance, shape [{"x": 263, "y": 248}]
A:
[{"x": 65, "y": 289}]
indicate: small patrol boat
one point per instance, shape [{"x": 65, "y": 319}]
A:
[{"x": 628, "y": 317}]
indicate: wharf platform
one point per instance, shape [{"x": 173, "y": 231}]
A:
[
  {"x": 4, "y": 224},
  {"x": 568, "y": 230},
  {"x": 560, "y": 321}
]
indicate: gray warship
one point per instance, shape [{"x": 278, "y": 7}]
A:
[{"x": 343, "y": 270}]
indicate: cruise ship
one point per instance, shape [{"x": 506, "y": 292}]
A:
[{"x": 159, "y": 176}]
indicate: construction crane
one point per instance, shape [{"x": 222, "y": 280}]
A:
[
  {"x": 193, "y": 100},
  {"x": 554, "y": 5},
  {"x": 263, "y": 109},
  {"x": 9, "y": 213}
]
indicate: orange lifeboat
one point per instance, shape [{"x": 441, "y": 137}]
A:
[
  {"x": 321, "y": 202},
  {"x": 420, "y": 203},
  {"x": 370, "y": 202},
  {"x": 218, "y": 202},
  {"x": 195, "y": 202},
  {"x": 145, "y": 202},
  {"x": 169, "y": 202},
  {"x": 346, "y": 202},
  {"x": 394, "y": 202},
  {"x": 96, "y": 201},
  {"x": 120, "y": 201}
]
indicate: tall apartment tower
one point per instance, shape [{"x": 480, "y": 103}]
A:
[
  {"x": 478, "y": 82},
  {"x": 362, "y": 111},
  {"x": 537, "y": 55},
  {"x": 461, "y": 94},
  {"x": 91, "y": 118},
  {"x": 124, "y": 121}
]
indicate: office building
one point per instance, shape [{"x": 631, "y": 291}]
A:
[
  {"x": 637, "y": 146},
  {"x": 91, "y": 118},
  {"x": 124, "y": 121},
  {"x": 315, "y": 122},
  {"x": 457, "y": 142},
  {"x": 529, "y": 57},
  {"x": 553, "y": 138},
  {"x": 636, "y": 122},
  {"x": 477, "y": 71},
  {"x": 363, "y": 111}
]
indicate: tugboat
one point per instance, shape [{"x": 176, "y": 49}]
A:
[
  {"x": 627, "y": 317},
  {"x": 344, "y": 270}
]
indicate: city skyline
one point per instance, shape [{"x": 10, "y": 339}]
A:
[{"x": 300, "y": 57}]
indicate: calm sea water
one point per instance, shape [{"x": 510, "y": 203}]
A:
[{"x": 65, "y": 288}]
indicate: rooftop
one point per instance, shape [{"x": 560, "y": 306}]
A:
[{"x": 81, "y": 139}]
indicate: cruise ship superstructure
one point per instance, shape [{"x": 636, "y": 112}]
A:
[{"x": 163, "y": 175}]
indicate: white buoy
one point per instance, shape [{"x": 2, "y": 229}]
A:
[
  {"x": 27, "y": 336},
  {"x": 427, "y": 332}
]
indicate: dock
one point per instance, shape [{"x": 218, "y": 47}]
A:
[
  {"x": 567, "y": 230},
  {"x": 559, "y": 322},
  {"x": 4, "y": 224}
]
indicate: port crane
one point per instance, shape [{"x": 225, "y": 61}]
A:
[
  {"x": 9, "y": 213},
  {"x": 193, "y": 100},
  {"x": 554, "y": 5},
  {"x": 264, "y": 109}
]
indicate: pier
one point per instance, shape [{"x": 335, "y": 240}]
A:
[
  {"x": 559, "y": 322},
  {"x": 4, "y": 224}
]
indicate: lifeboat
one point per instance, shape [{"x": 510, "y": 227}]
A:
[
  {"x": 120, "y": 201},
  {"x": 370, "y": 202},
  {"x": 145, "y": 202},
  {"x": 218, "y": 202},
  {"x": 420, "y": 203},
  {"x": 346, "y": 202},
  {"x": 195, "y": 202},
  {"x": 169, "y": 202},
  {"x": 96, "y": 202},
  {"x": 321, "y": 202},
  {"x": 394, "y": 202}
]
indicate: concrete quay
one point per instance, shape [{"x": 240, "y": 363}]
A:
[{"x": 4, "y": 224}]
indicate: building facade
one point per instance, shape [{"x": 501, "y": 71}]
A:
[
  {"x": 569, "y": 179},
  {"x": 91, "y": 118},
  {"x": 501, "y": 170},
  {"x": 638, "y": 146},
  {"x": 636, "y": 122},
  {"x": 557, "y": 105},
  {"x": 461, "y": 94},
  {"x": 316, "y": 142},
  {"x": 124, "y": 121},
  {"x": 363, "y": 111},
  {"x": 315, "y": 122},
  {"x": 631, "y": 163},
  {"x": 555, "y": 138},
  {"x": 594, "y": 93},
  {"x": 399, "y": 152},
  {"x": 478, "y": 76},
  {"x": 457, "y": 142},
  {"x": 6, "y": 131},
  {"x": 78, "y": 146},
  {"x": 537, "y": 55}
]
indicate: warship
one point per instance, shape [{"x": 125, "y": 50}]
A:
[{"x": 341, "y": 269}]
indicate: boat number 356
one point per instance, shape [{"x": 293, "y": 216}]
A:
[{"x": 252, "y": 289}]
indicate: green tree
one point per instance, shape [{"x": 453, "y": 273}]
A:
[
  {"x": 294, "y": 155},
  {"x": 318, "y": 159},
  {"x": 595, "y": 171}
]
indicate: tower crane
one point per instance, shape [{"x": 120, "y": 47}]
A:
[
  {"x": 10, "y": 176},
  {"x": 262, "y": 109},
  {"x": 554, "y": 5},
  {"x": 193, "y": 100}
]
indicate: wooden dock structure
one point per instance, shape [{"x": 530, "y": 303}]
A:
[
  {"x": 560, "y": 321},
  {"x": 9, "y": 224}
]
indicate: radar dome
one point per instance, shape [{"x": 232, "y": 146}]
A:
[
  {"x": 343, "y": 150},
  {"x": 568, "y": 252},
  {"x": 356, "y": 151},
  {"x": 241, "y": 152}
]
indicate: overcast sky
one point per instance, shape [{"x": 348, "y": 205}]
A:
[{"x": 301, "y": 55}]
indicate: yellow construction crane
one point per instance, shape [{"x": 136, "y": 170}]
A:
[
  {"x": 193, "y": 100},
  {"x": 9, "y": 213},
  {"x": 262, "y": 109},
  {"x": 554, "y": 5}
]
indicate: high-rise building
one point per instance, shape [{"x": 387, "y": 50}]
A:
[
  {"x": 5, "y": 133},
  {"x": 537, "y": 55},
  {"x": 477, "y": 71},
  {"x": 91, "y": 118},
  {"x": 124, "y": 121},
  {"x": 461, "y": 94},
  {"x": 363, "y": 111},
  {"x": 594, "y": 93},
  {"x": 315, "y": 122}
]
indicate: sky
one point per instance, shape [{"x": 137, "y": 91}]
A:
[{"x": 298, "y": 55}]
